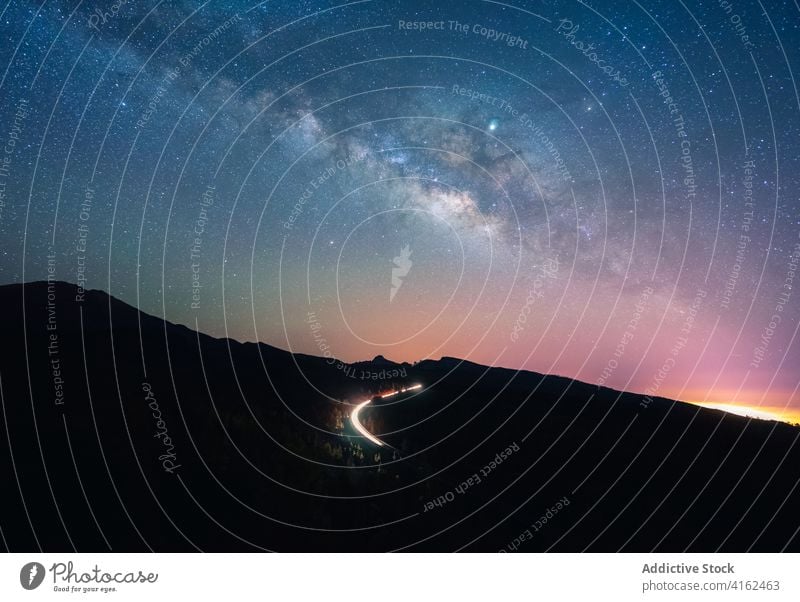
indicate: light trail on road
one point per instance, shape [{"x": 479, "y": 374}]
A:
[
  {"x": 359, "y": 427},
  {"x": 357, "y": 424}
]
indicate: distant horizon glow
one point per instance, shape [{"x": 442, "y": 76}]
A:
[{"x": 779, "y": 414}]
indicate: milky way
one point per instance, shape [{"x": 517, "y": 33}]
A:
[{"x": 604, "y": 191}]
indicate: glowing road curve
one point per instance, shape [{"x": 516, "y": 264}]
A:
[{"x": 360, "y": 427}]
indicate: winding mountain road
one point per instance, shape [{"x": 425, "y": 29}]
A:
[{"x": 360, "y": 427}]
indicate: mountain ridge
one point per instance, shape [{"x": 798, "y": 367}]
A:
[
  {"x": 164, "y": 438},
  {"x": 445, "y": 361}
]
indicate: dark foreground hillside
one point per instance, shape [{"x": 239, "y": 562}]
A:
[{"x": 121, "y": 431}]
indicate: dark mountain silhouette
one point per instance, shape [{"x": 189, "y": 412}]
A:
[
  {"x": 124, "y": 431},
  {"x": 379, "y": 359}
]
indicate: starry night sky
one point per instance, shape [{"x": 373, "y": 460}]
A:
[{"x": 607, "y": 191}]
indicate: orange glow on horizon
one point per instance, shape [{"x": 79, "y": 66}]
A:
[
  {"x": 777, "y": 404},
  {"x": 781, "y": 414}
]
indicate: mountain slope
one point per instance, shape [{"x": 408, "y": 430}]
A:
[{"x": 131, "y": 433}]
